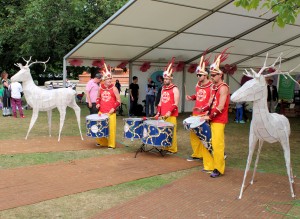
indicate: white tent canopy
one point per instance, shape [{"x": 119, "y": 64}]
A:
[{"x": 157, "y": 30}]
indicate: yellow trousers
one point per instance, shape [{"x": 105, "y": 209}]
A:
[
  {"x": 173, "y": 120},
  {"x": 111, "y": 140},
  {"x": 218, "y": 144},
  {"x": 197, "y": 145}
]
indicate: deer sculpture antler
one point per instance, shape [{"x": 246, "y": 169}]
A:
[
  {"x": 255, "y": 74},
  {"x": 28, "y": 61},
  {"x": 279, "y": 72},
  {"x": 19, "y": 65}
]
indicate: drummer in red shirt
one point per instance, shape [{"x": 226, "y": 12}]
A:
[
  {"x": 107, "y": 102},
  {"x": 218, "y": 117},
  {"x": 201, "y": 98},
  {"x": 168, "y": 104}
]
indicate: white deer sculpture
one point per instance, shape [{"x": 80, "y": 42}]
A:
[
  {"x": 45, "y": 100},
  {"x": 265, "y": 126}
]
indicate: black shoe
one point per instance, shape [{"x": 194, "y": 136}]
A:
[
  {"x": 193, "y": 159},
  {"x": 215, "y": 174}
]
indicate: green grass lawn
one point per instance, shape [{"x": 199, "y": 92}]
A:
[{"x": 271, "y": 161}]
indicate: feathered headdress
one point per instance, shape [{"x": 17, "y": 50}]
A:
[
  {"x": 168, "y": 73},
  {"x": 106, "y": 72},
  {"x": 215, "y": 67},
  {"x": 202, "y": 64}
]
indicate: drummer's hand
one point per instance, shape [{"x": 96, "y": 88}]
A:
[
  {"x": 111, "y": 111},
  {"x": 168, "y": 114},
  {"x": 156, "y": 116},
  {"x": 198, "y": 109},
  {"x": 97, "y": 106},
  {"x": 205, "y": 118},
  {"x": 187, "y": 97}
]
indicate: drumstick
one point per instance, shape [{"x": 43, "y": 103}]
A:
[
  {"x": 154, "y": 118},
  {"x": 185, "y": 89}
]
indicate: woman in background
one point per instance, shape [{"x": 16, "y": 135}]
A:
[
  {"x": 118, "y": 86},
  {"x": 6, "y": 94}
]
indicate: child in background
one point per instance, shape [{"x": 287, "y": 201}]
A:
[
  {"x": 80, "y": 96},
  {"x": 239, "y": 113}
]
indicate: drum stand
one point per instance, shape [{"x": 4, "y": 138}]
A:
[{"x": 143, "y": 149}]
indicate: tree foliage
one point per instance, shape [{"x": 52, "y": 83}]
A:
[
  {"x": 286, "y": 10},
  {"x": 47, "y": 28}
]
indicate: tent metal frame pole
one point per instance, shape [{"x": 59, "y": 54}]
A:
[
  {"x": 64, "y": 72},
  {"x": 183, "y": 90},
  {"x": 181, "y": 30},
  {"x": 130, "y": 81},
  {"x": 267, "y": 49},
  {"x": 233, "y": 38}
]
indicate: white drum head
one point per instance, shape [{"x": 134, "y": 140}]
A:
[
  {"x": 159, "y": 123},
  {"x": 132, "y": 119},
  {"x": 194, "y": 121},
  {"x": 96, "y": 117}
]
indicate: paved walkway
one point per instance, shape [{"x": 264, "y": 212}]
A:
[
  {"x": 28, "y": 185},
  {"x": 199, "y": 196}
]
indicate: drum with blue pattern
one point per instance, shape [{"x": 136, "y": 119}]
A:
[
  {"x": 97, "y": 126},
  {"x": 201, "y": 128},
  {"x": 157, "y": 133},
  {"x": 133, "y": 128}
]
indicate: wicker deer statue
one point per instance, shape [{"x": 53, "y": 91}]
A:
[
  {"x": 265, "y": 126},
  {"x": 45, "y": 100}
]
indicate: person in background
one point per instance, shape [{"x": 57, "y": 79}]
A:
[
  {"x": 6, "y": 111},
  {"x": 134, "y": 95},
  {"x": 239, "y": 113},
  {"x": 108, "y": 100},
  {"x": 168, "y": 105},
  {"x": 1, "y": 96},
  {"x": 118, "y": 85},
  {"x": 272, "y": 95},
  {"x": 161, "y": 81},
  {"x": 91, "y": 89},
  {"x": 217, "y": 109},
  {"x": 150, "y": 97},
  {"x": 201, "y": 98},
  {"x": 50, "y": 86},
  {"x": 80, "y": 97},
  {"x": 16, "y": 101},
  {"x": 69, "y": 84}
]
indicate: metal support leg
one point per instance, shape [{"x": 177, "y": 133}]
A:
[{"x": 141, "y": 149}]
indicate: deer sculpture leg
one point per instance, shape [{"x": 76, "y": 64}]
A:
[
  {"x": 76, "y": 109},
  {"x": 62, "y": 115},
  {"x": 287, "y": 156},
  {"x": 49, "y": 113},
  {"x": 260, "y": 142},
  {"x": 35, "y": 113},
  {"x": 252, "y": 143}
]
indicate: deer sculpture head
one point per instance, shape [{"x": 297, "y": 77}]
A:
[
  {"x": 255, "y": 89},
  {"x": 24, "y": 73}
]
